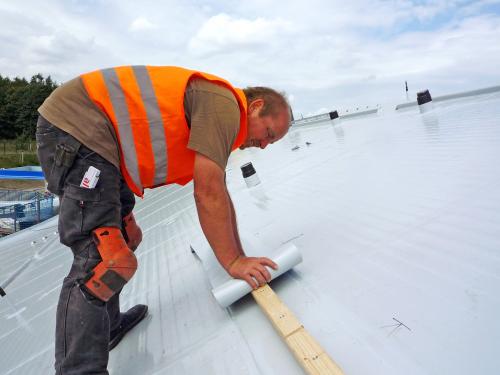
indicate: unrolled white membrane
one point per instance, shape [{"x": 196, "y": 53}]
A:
[{"x": 286, "y": 257}]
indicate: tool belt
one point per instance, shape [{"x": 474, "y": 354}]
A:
[{"x": 117, "y": 267}]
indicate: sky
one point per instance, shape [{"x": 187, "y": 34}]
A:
[{"x": 325, "y": 54}]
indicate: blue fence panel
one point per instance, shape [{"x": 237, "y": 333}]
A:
[{"x": 8, "y": 174}]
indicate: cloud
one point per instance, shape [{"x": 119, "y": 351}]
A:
[
  {"x": 30, "y": 46},
  {"x": 323, "y": 53},
  {"x": 142, "y": 24},
  {"x": 222, "y": 33}
]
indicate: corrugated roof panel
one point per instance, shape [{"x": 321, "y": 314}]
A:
[{"x": 397, "y": 218}]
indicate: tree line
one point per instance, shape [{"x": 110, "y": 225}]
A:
[{"x": 19, "y": 101}]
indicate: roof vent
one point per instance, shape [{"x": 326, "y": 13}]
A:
[
  {"x": 424, "y": 101},
  {"x": 249, "y": 174},
  {"x": 424, "y": 97},
  {"x": 333, "y": 115}
]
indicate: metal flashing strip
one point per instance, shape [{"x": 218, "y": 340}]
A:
[
  {"x": 464, "y": 94},
  {"x": 326, "y": 117},
  {"x": 310, "y": 120},
  {"x": 349, "y": 116},
  {"x": 14, "y": 275}
]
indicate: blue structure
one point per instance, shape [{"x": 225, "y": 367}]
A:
[
  {"x": 10, "y": 174},
  {"x": 40, "y": 207}
]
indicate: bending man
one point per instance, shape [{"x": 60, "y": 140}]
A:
[{"x": 107, "y": 135}]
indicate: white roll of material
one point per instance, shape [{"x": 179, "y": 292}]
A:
[{"x": 286, "y": 257}]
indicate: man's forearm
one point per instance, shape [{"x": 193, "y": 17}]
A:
[
  {"x": 216, "y": 218},
  {"x": 218, "y": 221},
  {"x": 235, "y": 225}
]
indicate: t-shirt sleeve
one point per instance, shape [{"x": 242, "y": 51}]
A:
[
  {"x": 70, "y": 109},
  {"x": 214, "y": 118}
]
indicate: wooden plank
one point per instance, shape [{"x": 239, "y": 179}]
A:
[{"x": 311, "y": 356}]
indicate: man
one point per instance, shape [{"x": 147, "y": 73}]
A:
[{"x": 140, "y": 127}]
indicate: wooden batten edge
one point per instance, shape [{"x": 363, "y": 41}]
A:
[{"x": 307, "y": 351}]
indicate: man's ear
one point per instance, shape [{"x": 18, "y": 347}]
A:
[{"x": 255, "y": 105}]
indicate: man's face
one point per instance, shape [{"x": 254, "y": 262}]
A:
[{"x": 266, "y": 129}]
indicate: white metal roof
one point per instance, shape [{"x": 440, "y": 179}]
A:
[{"x": 397, "y": 216}]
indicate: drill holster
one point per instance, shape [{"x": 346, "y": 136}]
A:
[{"x": 117, "y": 267}]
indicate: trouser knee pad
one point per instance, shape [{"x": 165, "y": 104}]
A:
[
  {"x": 131, "y": 231},
  {"x": 117, "y": 267}
]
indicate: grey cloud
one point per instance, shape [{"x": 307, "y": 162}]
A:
[{"x": 323, "y": 52}]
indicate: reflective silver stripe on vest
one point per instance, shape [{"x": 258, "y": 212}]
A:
[
  {"x": 156, "y": 128},
  {"x": 120, "y": 109}
]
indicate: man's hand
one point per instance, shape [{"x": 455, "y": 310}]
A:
[{"x": 252, "y": 270}]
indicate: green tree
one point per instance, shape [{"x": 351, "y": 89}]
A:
[
  {"x": 11, "y": 107},
  {"x": 31, "y": 97},
  {"x": 19, "y": 101},
  {"x": 6, "y": 116}
]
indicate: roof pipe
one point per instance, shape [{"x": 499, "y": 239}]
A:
[
  {"x": 424, "y": 101},
  {"x": 250, "y": 175}
]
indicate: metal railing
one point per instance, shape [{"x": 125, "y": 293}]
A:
[
  {"x": 17, "y": 216},
  {"x": 19, "y": 195}
]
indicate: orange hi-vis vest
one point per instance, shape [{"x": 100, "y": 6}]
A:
[{"x": 146, "y": 107}]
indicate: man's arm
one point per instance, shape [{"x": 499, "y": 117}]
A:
[
  {"x": 218, "y": 222},
  {"x": 235, "y": 225}
]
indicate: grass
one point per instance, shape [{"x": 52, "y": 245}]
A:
[
  {"x": 18, "y": 160},
  {"x": 14, "y": 146},
  {"x": 17, "y": 153}
]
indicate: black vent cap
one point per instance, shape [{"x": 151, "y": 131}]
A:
[
  {"x": 333, "y": 115},
  {"x": 423, "y": 97},
  {"x": 247, "y": 170}
]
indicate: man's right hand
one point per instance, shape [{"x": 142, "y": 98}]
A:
[
  {"x": 252, "y": 270},
  {"x": 219, "y": 226}
]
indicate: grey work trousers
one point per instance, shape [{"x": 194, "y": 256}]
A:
[{"x": 83, "y": 322}]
